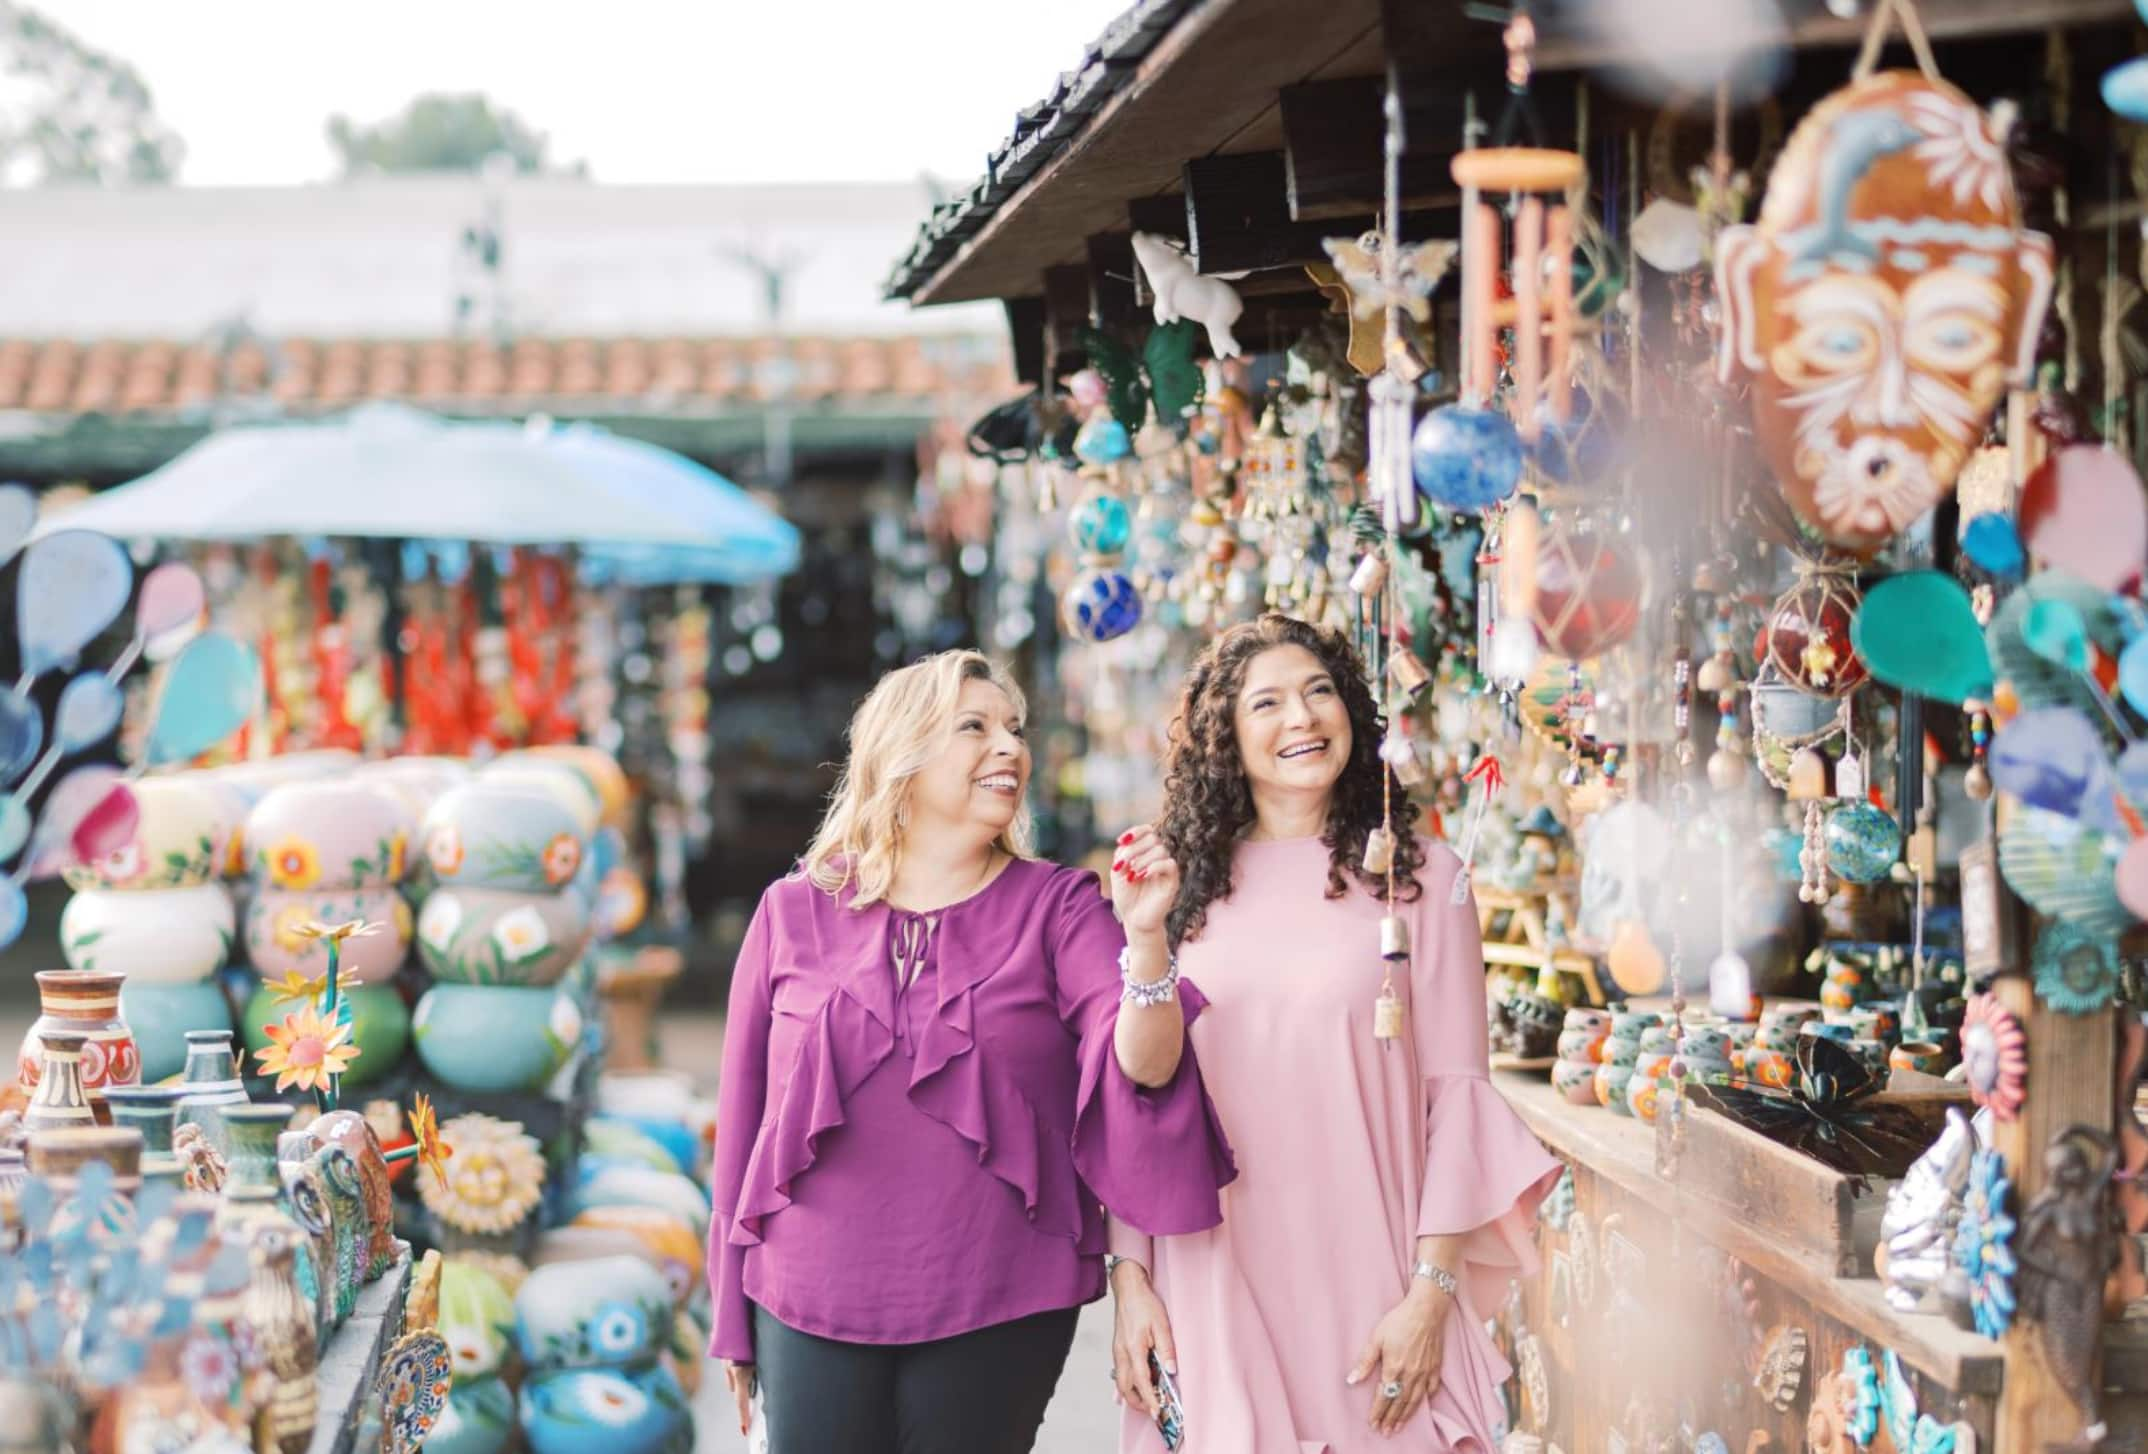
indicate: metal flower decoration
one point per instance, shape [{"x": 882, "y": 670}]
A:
[
  {"x": 1983, "y": 1244},
  {"x": 295, "y": 989},
  {"x": 1861, "y": 1408},
  {"x": 307, "y": 1051},
  {"x": 1995, "y": 1056},
  {"x": 432, "y": 1149},
  {"x": 2076, "y": 971}
]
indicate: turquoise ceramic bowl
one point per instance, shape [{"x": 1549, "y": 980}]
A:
[{"x": 495, "y": 1037}]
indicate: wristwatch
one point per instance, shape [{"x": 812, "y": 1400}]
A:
[{"x": 1439, "y": 1277}]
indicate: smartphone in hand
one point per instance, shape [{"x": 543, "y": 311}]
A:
[{"x": 1171, "y": 1417}]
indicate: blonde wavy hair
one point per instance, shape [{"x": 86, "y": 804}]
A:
[{"x": 902, "y": 724}]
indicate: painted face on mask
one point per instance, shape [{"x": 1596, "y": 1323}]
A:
[{"x": 1882, "y": 303}]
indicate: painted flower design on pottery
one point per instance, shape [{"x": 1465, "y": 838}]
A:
[
  {"x": 1882, "y": 303},
  {"x": 614, "y": 1401},
  {"x": 1995, "y": 1056},
  {"x": 293, "y": 864},
  {"x": 520, "y": 935},
  {"x": 1983, "y": 1244},
  {"x": 123, "y": 865},
  {"x": 289, "y": 929},
  {"x": 617, "y": 1331},
  {"x": 209, "y": 1368},
  {"x": 443, "y": 849},
  {"x": 563, "y": 1025},
  {"x": 439, "y": 920},
  {"x": 398, "y": 851},
  {"x": 562, "y": 856}
]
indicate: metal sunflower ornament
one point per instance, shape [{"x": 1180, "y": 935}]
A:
[{"x": 1983, "y": 1245}]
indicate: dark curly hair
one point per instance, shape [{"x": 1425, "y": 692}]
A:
[{"x": 1208, "y": 802}]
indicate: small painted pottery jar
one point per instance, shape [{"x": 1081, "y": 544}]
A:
[
  {"x": 1921, "y": 1056},
  {"x": 1642, "y": 1092},
  {"x": 495, "y": 1037},
  {"x": 1582, "y": 1045},
  {"x": 277, "y": 942},
  {"x": 1876, "y": 1020},
  {"x": 641, "y": 1411},
  {"x": 605, "y": 1312},
  {"x": 1769, "y": 1069},
  {"x": 161, "y": 1015},
  {"x": 178, "y": 840},
  {"x": 1618, "y": 1050},
  {"x": 1611, "y": 1082},
  {"x": 496, "y": 936},
  {"x": 151, "y": 1110},
  {"x": 1632, "y": 1024},
  {"x": 59, "y": 1100},
  {"x": 211, "y": 1082},
  {"x": 152, "y": 936},
  {"x": 339, "y": 834},
  {"x": 1576, "y": 1081},
  {"x": 87, "y": 1003},
  {"x": 503, "y": 836},
  {"x": 1788, "y": 1014},
  {"x": 1707, "y": 1042},
  {"x": 380, "y": 1028},
  {"x": 1833, "y": 1030}
]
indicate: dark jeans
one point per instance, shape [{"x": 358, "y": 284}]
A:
[{"x": 975, "y": 1393}]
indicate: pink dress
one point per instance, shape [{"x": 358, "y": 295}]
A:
[{"x": 1348, "y": 1150}]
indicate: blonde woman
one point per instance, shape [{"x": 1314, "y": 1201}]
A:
[{"x": 941, "y": 1055}]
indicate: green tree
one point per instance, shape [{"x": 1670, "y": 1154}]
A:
[
  {"x": 70, "y": 113},
  {"x": 439, "y": 133}
]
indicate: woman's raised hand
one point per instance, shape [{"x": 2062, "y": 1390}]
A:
[{"x": 1144, "y": 881}]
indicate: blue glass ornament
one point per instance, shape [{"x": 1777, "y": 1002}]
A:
[
  {"x": 1103, "y": 440},
  {"x": 1983, "y": 1244},
  {"x": 1581, "y": 449},
  {"x": 1466, "y": 458},
  {"x": 1992, "y": 542},
  {"x": 1101, "y": 524},
  {"x": 1100, "y": 605},
  {"x": 1862, "y": 842},
  {"x": 2125, "y": 90}
]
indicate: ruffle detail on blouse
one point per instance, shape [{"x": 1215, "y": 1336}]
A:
[
  {"x": 1484, "y": 1175},
  {"x": 953, "y": 1083},
  {"x": 1133, "y": 1145},
  {"x": 821, "y": 1078}
]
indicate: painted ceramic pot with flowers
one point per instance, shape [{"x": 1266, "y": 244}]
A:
[
  {"x": 178, "y": 840},
  {"x": 153, "y": 936},
  {"x": 602, "y": 1312},
  {"x": 617, "y": 1410},
  {"x": 495, "y": 1037},
  {"x": 277, "y": 943},
  {"x": 495, "y": 936},
  {"x": 503, "y": 836},
  {"x": 337, "y": 834}
]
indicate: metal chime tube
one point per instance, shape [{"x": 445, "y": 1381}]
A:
[
  {"x": 1480, "y": 262},
  {"x": 1528, "y": 315},
  {"x": 1559, "y": 279}
]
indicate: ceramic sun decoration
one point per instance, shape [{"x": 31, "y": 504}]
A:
[{"x": 1882, "y": 303}]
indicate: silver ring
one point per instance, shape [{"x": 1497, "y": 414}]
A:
[{"x": 1390, "y": 1390}]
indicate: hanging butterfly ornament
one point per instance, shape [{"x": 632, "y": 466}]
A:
[{"x": 1882, "y": 303}]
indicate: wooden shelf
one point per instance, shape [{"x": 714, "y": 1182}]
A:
[
  {"x": 1622, "y": 1151},
  {"x": 351, "y": 1362}
]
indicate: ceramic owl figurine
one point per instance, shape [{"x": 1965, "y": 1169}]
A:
[{"x": 1882, "y": 303}]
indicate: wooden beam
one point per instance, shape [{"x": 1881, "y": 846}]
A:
[
  {"x": 1114, "y": 281},
  {"x": 1165, "y": 216},
  {"x": 1335, "y": 145},
  {"x": 1066, "y": 312},
  {"x": 1025, "y": 327},
  {"x": 1238, "y": 211}
]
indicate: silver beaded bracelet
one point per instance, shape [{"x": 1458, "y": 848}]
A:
[
  {"x": 1439, "y": 1277},
  {"x": 1153, "y": 992}
]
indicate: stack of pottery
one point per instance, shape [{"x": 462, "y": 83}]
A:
[
  {"x": 477, "y": 1317},
  {"x": 1621, "y": 1053},
  {"x": 499, "y": 930},
  {"x": 1771, "y": 1060},
  {"x": 1581, "y": 1051},
  {"x": 328, "y": 852},
  {"x": 83, "y": 1006},
  {"x": 156, "y": 914},
  {"x": 667, "y": 1242},
  {"x": 592, "y": 1332},
  {"x": 1849, "y": 982},
  {"x": 1652, "y": 1063}
]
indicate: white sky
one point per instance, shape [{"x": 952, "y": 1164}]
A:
[{"x": 645, "y": 90}]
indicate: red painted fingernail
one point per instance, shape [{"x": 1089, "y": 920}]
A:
[{"x": 1126, "y": 837}]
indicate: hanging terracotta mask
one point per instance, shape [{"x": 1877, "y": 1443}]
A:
[{"x": 1882, "y": 303}]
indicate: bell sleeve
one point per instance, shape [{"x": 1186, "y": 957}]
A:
[
  {"x": 740, "y": 1099},
  {"x": 1484, "y": 1172},
  {"x": 1155, "y": 1157}
]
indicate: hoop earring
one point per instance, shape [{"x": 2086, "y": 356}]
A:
[{"x": 902, "y": 816}]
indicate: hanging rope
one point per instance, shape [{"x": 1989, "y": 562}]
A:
[{"x": 1876, "y": 32}]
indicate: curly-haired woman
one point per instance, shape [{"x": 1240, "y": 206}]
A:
[
  {"x": 1384, "y": 1188},
  {"x": 941, "y": 1055}
]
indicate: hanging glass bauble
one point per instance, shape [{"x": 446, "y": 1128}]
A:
[
  {"x": 1100, "y": 605},
  {"x": 1862, "y": 842},
  {"x": 1465, "y": 458},
  {"x": 1588, "y": 594},
  {"x": 1806, "y": 636},
  {"x": 1101, "y": 524},
  {"x": 1578, "y": 449},
  {"x": 1103, "y": 440}
]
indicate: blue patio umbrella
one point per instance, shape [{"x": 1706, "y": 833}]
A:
[{"x": 636, "y": 511}]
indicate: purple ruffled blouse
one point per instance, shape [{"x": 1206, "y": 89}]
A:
[{"x": 920, "y": 1114}]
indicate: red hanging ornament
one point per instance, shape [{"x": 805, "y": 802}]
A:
[
  {"x": 1588, "y": 594},
  {"x": 1806, "y": 636}
]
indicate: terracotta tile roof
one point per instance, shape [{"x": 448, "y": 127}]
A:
[{"x": 629, "y": 375}]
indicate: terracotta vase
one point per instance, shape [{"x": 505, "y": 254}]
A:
[
  {"x": 59, "y": 1099},
  {"x": 281, "y": 1313},
  {"x": 85, "y": 1001}
]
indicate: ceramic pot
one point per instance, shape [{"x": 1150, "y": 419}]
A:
[
  {"x": 477, "y": 1313},
  {"x": 211, "y": 1082},
  {"x": 1772, "y": 1069},
  {"x": 556, "y": 780},
  {"x": 178, "y": 841},
  {"x": 1828, "y": 1030},
  {"x": 1706, "y": 1042},
  {"x": 327, "y": 835},
  {"x": 59, "y": 1100},
  {"x": 495, "y": 1037},
  {"x": 161, "y": 1015},
  {"x": 1581, "y": 1044},
  {"x": 493, "y": 936},
  {"x": 152, "y": 936},
  {"x": 1611, "y": 1083},
  {"x": 663, "y": 1239},
  {"x": 1876, "y": 1020},
  {"x": 277, "y": 944},
  {"x": 351, "y": 1133},
  {"x": 380, "y": 1024},
  {"x": 251, "y": 1132},
  {"x": 614, "y": 1185},
  {"x": 232, "y": 806},
  {"x": 1921, "y": 1056},
  {"x": 85, "y": 1002},
  {"x": 640, "y": 1412},
  {"x": 1641, "y": 1095},
  {"x": 1709, "y": 1070},
  {"x": 1632, "y": 1024},
  {"x": 153, "y": 1110},
  {"x": 502, "y": 836},
  {"x": 60, "y": 1154},
  {"x": 604, "y": 1312},
  {"x": 1620, "y": 1050},
  {"x": 479, "y": 1418},
  {"x": 1576, "y": 1081}
]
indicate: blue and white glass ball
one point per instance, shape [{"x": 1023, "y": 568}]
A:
[
  {"x": 1466, "y": 458},
  {"x": 1100, "y": 605},
  {"x": 1101, "y": 524},
  {"x": 1862, "y": 843},
  {"x": 1103, "y": 440}
]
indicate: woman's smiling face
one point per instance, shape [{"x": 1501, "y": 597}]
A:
[
  {"x": 1293, "y": 729},
  {"x": 979, "y": 776}
]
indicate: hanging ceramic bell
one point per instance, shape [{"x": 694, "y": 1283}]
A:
[
  {"x": 1394, "y": 937},
  {"x": 1370, "y": 577},
  {"x": 1379, "y": 851},
  {"x": 1408, "y": 672},
  {"x": 1399, "y": 751}
]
